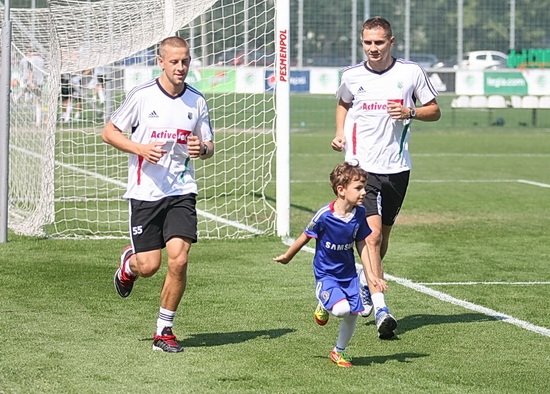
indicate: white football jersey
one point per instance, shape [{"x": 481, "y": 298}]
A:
[
  {"x": 373, "y": 139},
  {"x": 150, "y": 114}
]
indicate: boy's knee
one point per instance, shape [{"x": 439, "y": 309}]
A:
[{"x": 341, "y": 309}]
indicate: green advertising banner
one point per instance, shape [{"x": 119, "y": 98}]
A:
[
  {"x": 213, "y": 80},
  {"x": 505, "y": 83},
  {"x": 207, "y": 80}
]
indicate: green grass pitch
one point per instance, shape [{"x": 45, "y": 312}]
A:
[{"x": 469, "y": 286}]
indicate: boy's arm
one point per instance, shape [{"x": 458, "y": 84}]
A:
[
  {"x": 379, "y": 283},
  {"x": 300, "y": 242}
]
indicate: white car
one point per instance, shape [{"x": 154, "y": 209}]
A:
[{"x": 483, "y": 60}]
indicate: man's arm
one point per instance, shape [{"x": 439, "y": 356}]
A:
[
  {"x": 114, "y": 136},
  {"x": 429, "y": 112},
  {"x": 378, "y": 281},
  {"x": 339, "y": 140}
]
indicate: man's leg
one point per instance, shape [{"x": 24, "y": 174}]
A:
[
  {"x": 176, "y": 276},
  {"x": 377, "y": 244},
  {"x": 171, "y": 294}
]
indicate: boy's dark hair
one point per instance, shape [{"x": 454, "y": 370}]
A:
[{"x": 345, "y": 173}]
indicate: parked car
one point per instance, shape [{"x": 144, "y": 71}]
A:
[
  {"x": 449, "y": 63},
  {"x": 483, "y": 60}
]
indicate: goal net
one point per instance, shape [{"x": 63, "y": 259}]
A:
[{"x": 73, "y": 63}]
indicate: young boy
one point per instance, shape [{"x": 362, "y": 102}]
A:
[{"x": 337, "y": 227}]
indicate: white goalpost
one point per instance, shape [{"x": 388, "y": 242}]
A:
[{"x": 65, "y": 182}]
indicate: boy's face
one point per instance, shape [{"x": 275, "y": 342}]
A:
[{"x": 355, "y": 192}]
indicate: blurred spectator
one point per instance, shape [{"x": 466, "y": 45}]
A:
[{"x": 32, "y": 81}]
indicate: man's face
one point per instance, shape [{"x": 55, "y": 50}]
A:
[
  {"x": 377, "y": 45},
  {"x": 175, "y": 63}
]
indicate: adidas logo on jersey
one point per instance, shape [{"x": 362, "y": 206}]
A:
[
  {"x": 153, "y": 114},
  {"x": 361, "y": 90}
]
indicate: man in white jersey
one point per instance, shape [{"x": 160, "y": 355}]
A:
[
  {"x": 170, "y": 125},
  {"x": 32, "y": 81},
  {"x": 375, "y": 111}
]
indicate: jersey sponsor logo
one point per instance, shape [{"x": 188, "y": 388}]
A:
[
  {"x": 153, "y": 115},
  {"x": 399, "y": 101},
  {"x": 379, "y": 106},
  {"x": 331, "y": 246},
  {"x": 178, "y": 135}
]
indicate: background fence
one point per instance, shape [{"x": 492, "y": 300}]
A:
[
  {"x": 326, "y": 32},
  {"x": 233, "y": 45}
]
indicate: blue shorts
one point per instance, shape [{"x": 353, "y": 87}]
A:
[{"x": 330, "y": 291}]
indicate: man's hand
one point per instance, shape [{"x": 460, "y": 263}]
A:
[
  {"x": 397, "y": 111},
  {"x": 338, "y": 144},
  {"x": 194, "y": 146},
  {"x": 152, "y": 152}
]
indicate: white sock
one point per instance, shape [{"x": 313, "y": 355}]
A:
[
  {"x": 378, "y": 301},
  {"x": 347, "y": 328},
  {"x": 165, "y": 319},
  {"x": 361, "y": 275},
  {"x": 67, "y": 114},
  {"x": 101, "y": 96},
  {"x": 38, "y": 114},
  {"x": 127, "y": 269}
]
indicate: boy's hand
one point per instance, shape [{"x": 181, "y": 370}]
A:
[{"x": 281, "y": 259}]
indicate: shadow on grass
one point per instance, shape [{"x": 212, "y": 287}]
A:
[
  {"x": 224, "y": 338},
  {"x": 412, "y": 322},
  {"x": 400, "y": 357}
]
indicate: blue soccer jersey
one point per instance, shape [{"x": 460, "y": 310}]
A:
[{"x": 335, "y": 241}]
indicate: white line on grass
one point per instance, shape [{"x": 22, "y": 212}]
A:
[
  {"x": 447, "y": 298},
  {"x": 469, "y": 305},
  {"x": 532, "y": 183},
  {"x": 482, "y": 283},
  {"x": 536, "y": 155},
  {"x": 124, "y": 184}
]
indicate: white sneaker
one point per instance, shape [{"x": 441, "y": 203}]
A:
[
  {"x": 364, "y": 292},
  {"x": 385, "y": 323}
]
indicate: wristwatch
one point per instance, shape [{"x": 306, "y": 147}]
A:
[
  {"x": 412, "y": 114},
  {"x": 204, "y": 150}
]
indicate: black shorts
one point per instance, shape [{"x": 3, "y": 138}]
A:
[
  {"x": 385, "y": 195},
  {"x": 153, "y": 223}
]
